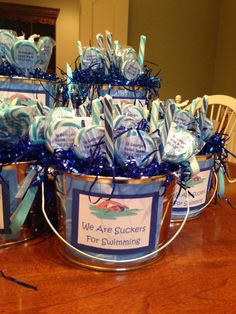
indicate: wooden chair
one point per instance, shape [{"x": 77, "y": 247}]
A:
[{"x": 222, "y": 111}]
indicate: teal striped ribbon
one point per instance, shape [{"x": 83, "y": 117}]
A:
[
  {"x": 19, "y": 216},
  {"x": 221, "y": 184}
]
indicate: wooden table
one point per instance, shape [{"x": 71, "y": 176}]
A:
[{"x": 196, "y": 275}]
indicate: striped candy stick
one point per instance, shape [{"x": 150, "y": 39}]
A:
[
  {"x": 69, "y": 77},
  {"x": 154, "y": 115},
  {"x": 117, "y": 109},
  {"x": 203, "y": 111},
  {"x": 204, "y": 104},
  {"x": 116, "y": 44},
  {"x": 109, "y": 50},
  {"x": 141, "y": 52},
  {"x": 193, "y": 106},
  {"x": 80, "y": 51},
  {"x": 117, "y": 54},
  {"x": 154, "y": 125},
  {"x": 100, "y": 40},
  {"x": 80, "y": 48},
  {"x": 82, "y": 111},
  {"x": 109, "y": 136},
  {"x": 167, "y": 123},
  {"x": 96, "y": 111}
]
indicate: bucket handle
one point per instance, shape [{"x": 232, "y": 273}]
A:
[
  {"x": 211, "y": 199},
  {"x": 112, "y": 260}
]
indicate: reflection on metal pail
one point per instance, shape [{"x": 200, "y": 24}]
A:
[{"x": 114, "y": 224}]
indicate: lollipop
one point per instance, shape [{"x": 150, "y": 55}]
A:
[{"x": 89, "y": 142}]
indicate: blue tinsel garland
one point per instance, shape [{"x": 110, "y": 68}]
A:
[{"x": 87, "y": 78}]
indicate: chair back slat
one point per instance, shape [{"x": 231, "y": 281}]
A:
[
  {"x": 218, "y": 113},
  {"x": 232, "y": 127},
  {"x": 212, "y": 112},
  {"x": 230, "y": 120},
  {"x": 223, "y": 120}
]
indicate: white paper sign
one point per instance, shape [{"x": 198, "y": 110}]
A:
[
  {"x": 198, "y": 187},
  {"x": 116, "y": 224}
]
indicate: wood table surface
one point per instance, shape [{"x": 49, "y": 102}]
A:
[{"x": 196, "y": 275}]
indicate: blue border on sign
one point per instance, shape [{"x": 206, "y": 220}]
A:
[
  {"x": 31, "y": 91},
  {"x": 5, "y": 206},
  {"x": 193, "y": 208},
  {"x": 75, "y": 219}
]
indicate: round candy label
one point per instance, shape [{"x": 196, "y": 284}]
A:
[
  {"x": 131, "y": 69},
  {"x": 25, "y": 54},
  {"x": 61, "y": 134},
  {"x": 180, "y": 145},
  {"x": 134, "y": 145},
  {"x": 89, "y": 142},
  {"x": 92, "y": 58}
]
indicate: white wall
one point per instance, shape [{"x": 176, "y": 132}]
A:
[
  {"x": 224, "y": 79},
  {"x": 181, "y": 38}
]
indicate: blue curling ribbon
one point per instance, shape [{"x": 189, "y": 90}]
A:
[
  {"x": 19, "y": 282},
  {"x": 24, "y": 150},
  {"x": 66, "y": 161},
  {"x": 7, "y": 69},
  {"x": 87, "y": 78},
  {"x": 216, "y": 147}
]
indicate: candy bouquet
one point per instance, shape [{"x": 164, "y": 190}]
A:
[
  {"x": 22, "y": 155},
  {"x": 115, "y": 70},
  {"x": 209, "y": 162},
  {"x": 22, "y": 159},
  {"x": 115, "y": 158},
  {"x": 25, "y": 57}
]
